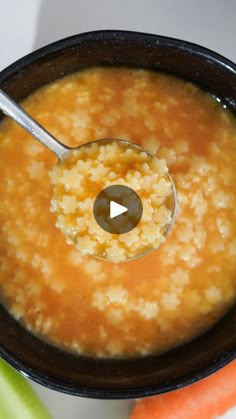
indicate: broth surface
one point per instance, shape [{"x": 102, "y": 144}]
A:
[{"x": 146, "y": 305}]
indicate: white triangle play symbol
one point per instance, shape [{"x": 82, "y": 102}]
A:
[{"x": 116, "y": 209}]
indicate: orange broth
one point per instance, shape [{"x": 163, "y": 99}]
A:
[{"x": 147, "y": 305}]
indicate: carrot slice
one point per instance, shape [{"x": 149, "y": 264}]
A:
[
  {"x": 17, "y": 398},
  {"x": 206, "y": 399}
]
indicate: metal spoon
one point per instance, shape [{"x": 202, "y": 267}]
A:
[{"x": 10, "y": 108}]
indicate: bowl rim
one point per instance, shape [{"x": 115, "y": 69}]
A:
[
  {"x": 110, "y": 34},
  {"x": 116, "y": 394},
  {"x": 148, "y": 390}
]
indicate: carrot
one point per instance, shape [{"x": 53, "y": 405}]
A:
[{"x": 206, "y": 399}]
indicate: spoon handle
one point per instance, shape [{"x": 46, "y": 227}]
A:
[{"x": 10, "y": 108}]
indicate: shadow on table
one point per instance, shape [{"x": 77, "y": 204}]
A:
[
  {"x": 64, "y": 406},
  {"x": 61, "y": 18},
  {"x": 195, "y": 21}
]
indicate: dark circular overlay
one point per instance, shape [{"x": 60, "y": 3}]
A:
[{"x": 121, "y": 195}]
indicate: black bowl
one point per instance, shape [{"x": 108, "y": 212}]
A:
[{"x": 129, "y": 378}]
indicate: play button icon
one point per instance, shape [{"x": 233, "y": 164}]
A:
[{"x": 118, "y": 209}]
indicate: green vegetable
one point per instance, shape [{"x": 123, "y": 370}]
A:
[{"x": 17, "y": 398}]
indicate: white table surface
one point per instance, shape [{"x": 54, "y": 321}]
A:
[{"x": 29, "y": 24}]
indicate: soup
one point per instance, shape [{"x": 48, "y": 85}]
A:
[
  {"x": 151, "y": 304},
  {"x": 95, "y": 167}
]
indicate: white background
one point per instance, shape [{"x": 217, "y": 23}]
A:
[{"x": 29, "y": 24}]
